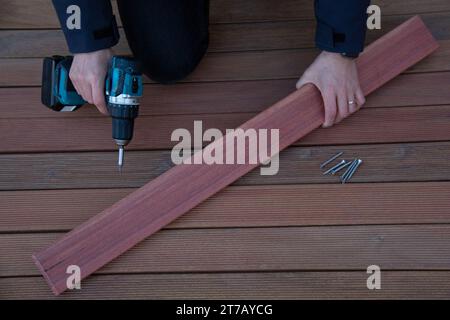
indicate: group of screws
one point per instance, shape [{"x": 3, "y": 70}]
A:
[{"x": 351, "y": 166}]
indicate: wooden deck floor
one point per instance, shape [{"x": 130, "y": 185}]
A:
[{"x": 294, "y": 235}]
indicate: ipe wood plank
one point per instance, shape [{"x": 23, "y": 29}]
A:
[
  {"x": 223, "y": 37},
  {"x": 417, "y": 89},
  {"x": 225, "y": 66},
  {"x": 145, "y": 211},
  {"x": 243, "y": 286},
  {"x": 394, "y": 162},
  {"x": 25, "y": 14},
  {"x": 428, "y": 123},
  {"x": 393, "y": 247},
  {"x": 244, "y": 206}
]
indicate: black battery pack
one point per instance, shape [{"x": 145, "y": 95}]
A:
[{"x": 48, "y": 82}]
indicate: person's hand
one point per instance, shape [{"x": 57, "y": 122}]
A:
[
  {"x": 336, "y": 77},
  {"x": 88, "y": 73}
]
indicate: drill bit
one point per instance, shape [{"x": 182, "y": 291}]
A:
[{"x": 121, "y": 155}]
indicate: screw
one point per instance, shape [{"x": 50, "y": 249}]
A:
[
  {"x": 349, "y": 169},
  {"x": 331, "y": 159},
  {"x": 341, "y": 167},
  {"x": 335, "y": 167},
  {"x": 355, "y": 167}
]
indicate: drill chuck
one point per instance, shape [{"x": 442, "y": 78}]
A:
[{"x": 123, "y": 122}]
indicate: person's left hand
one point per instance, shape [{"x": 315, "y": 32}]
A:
[{"x": 336, "y": 77}]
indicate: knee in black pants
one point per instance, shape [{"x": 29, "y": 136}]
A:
[
  {"x": 168, "y": 37},
  {"x": 172, "y": 65}
]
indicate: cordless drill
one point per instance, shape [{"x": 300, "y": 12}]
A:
[{"x": 123, "y": 88}]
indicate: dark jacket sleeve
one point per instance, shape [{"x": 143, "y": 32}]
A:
[
  {"x": 98, "y": 25},
  {"x": 341, "y": 25}
]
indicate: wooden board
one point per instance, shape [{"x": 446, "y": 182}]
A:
[
  {"x": 40, "y": 13},
  {"x": 231, "y": 66},
  {"x": 407, "y": 247},
  {"x": 419, "y": 89},
  {"x": 106, "y": 236},
  {"x": 223, "y": 37},
  {"x": 244, "y": 206},
  {"x": 374, "y": 125},
  {"x": 297, "y": 188},
  {"x": 243, "y": 286},
  {"x": 86, "y": 170}
]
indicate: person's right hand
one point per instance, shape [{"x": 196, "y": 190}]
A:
[{"x": 88, "y": 73}]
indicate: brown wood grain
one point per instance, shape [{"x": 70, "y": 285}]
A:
[
  {"x": 230, "y": 66},
  {"x": 268, "y": 35},
  {"x": 223, "y": 38},
  {"x": 421, "y": 89},
  {"x": 244, "y": 206},
  {"x": 109, "y": 234},
  {"x": 299, "y": 165},
  {"x": 303, "y": 9},
  {"x": 247, "y": 204},
  {"x": 23, "y": 14},
  {"x": 374, "y": 125},
  {"x": 410, "y": 247},
  {"x": 258, "y": 65},
  {"x": 260, "y": 285}
]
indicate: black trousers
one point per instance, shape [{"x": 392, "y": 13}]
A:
[{"x": 168, "y": 37}]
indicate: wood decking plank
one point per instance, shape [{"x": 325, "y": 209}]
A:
[
  {"x": 23, "y": 14},
  {"x": 254, "y": 201},
  {"x": 243, "y": 286},
  {"x": 419, "y": 89},
  {"x": 400, "y": 247},
  {"x": 303, "y": 9},
  {"x": 109, "y": 234},
  {"x": 223, "y": 37},
  {"x": 244, "y": 206},
  {"x": 298, "y": 165},
  {"x": 231, "y": 66},
  {"x": 374, "y": 125},
  {"x": 227, "y": 37}
]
